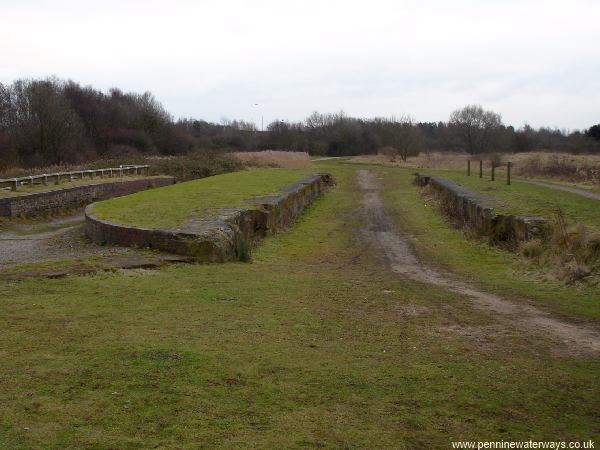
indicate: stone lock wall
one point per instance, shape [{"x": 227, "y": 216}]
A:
[
  {"x": 475, "y": 211},
  {"x": 50, "y": 201},
  {"x": 224, "y": 234}
]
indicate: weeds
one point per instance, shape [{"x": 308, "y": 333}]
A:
[{"x": 561, "y": 166}]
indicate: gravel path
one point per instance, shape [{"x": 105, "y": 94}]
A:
[
  {"x": 560, "y": 187},
  {"x": 25, "y": 245}
]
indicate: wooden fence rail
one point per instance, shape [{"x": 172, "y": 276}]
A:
[{"x": 124, "y": 170}]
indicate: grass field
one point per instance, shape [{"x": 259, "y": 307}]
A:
[
  {"x": 312, "y": 345},
  {"x": 172, "y": 205}
]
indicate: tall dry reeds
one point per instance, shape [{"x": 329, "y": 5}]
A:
[
  {"x": 560, "y": 166},
  {"x": 425, "y": 160},
  {"x": 274, "y": 158}
]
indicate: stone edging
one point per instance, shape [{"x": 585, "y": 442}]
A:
[
  {"x": 474, "y": 210},
  {"x": 51, "y": 201},
  {"x": 224, "y": 234}
]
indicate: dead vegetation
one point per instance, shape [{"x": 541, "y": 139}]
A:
[
  {"x": 274, "y": 158},
  {"x": 560, "y": 166},
  {"x": 567, "y": 167},
  {"x": 425, "y": 160}
]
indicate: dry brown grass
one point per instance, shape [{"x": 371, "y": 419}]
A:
[
  {"x": 274, "y": 158},
  {"x": 425, "y": 160},
  {"x": 560, "y": 166},
  {"x": 584, "y": 169}
]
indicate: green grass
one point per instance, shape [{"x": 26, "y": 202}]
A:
[
  {"x": 313, "y": 345},
  {"x": 490, "y": 267},
  {"x": 171, "y": 206},
  {"x": 529, "y": 199}
]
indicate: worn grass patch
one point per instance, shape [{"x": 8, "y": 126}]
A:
[{"x": 170, "y": 206}]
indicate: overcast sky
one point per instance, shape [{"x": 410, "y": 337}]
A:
[{"x": 532, "y": 61}]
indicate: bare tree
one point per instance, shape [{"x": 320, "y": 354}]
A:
[
  {"x": 404, "y": 137},
  {"x": 476, "y": 127}
]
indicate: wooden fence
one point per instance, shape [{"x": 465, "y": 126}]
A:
[{"x": 493, "y": 172}]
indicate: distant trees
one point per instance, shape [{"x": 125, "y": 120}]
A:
[
  {"x": 477, "y": 127},
  {"x": 45, "y": 122},
  {"x": 38, "y": 124},
  {"x": 402, "y": 137},
  {"x": 593, "y": 132}
]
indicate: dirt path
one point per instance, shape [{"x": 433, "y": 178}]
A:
[
  {"x": 560, "y": 187},
  {"x": 402, "y": 260},
  {"x": 56, "y": 238}
]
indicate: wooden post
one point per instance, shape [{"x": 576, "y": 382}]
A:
[
  {"x": 15, "y": 185},
  {"x": 508, "y": 166},
  {"x": 57, "y": 181},
  {"x": 45, "y": 180},
  {"x": 480, "y": 168},
  {"x": 468, "y": 167},
  {"x": 493, "y": 171}
]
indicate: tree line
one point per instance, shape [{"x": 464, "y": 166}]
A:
[{"x": 51, "y": 121}]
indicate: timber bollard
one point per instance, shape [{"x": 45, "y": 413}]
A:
[
  {"x": 493, "y": 171},
  {"x": 480, "y": 168},
  {"x": 468, "y": 167},
  {"x": 508, "y": 166}
]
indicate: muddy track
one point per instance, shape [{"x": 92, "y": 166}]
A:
[{"x": 392, "y": 244}]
